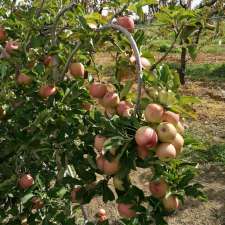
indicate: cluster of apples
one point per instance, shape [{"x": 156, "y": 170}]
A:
[
  {"x": 10, "y": 45},
  {"x": 160, "y": 189},
  {"x": 26, "y": 181},
  {"x": 110, "y": 100},
  {"x": 166, "y": 138}
]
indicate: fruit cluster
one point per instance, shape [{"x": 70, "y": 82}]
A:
[
  {"x": 165, "y": 140},
  {"x": 110, "y": 100}
]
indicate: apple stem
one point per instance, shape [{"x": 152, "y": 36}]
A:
[
  {"x": 70, "y": 59},
  {"x": 138, "y": 60}
]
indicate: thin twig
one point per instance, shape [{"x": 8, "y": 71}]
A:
[
  {"x": 138, "y": 60},
  {"x": 56, "y": 75},
  {"x": 61, "y": 13},
  {"x": 70, "y": 59}
]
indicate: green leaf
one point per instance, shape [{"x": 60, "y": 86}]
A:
[
  {"x": 192, "y": 50},
  {"x": 124, "y": 92},
  {"x": 26, "y": 198}
]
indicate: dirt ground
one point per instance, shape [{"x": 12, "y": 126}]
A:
[{"x": 209, "y": 126}]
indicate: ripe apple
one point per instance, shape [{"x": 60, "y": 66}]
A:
[
  {"x": 178, "y": 143},
  {"x": 26, "y": 181},
  {"x": 2, "y": 34},
  {"x": 171, "y": 203},
  {"x": 97, "y": 90},
  {"x": 47, "y": 90},
  {"x": 142, "y": 152},
  {"x": 110, "y": 99},
  {"x": 99, "y": 142},
  {"x": 180, "y": 128},
  {"x": 11, "y": 46},
  {"x": 48, "y": 60},
  {"x": 171, "y": 117},
  {"x": 125, "y": 210},
  {"x": 37, "y": 203},
  {"x": 145, "y": 63},
  {"x": 166, "y": 132},
  {"x": 23, "y": 79},
  {"x": 126, "y": 22},
  {"x": 101, "y": 212},
  {"x": 73, "y": 195},
  {"x": 154, "y": 113},
  {"x": 77, "y": 69},
  {"x": 87, "y": 106},
  {"x": 165, "y": 151},
  {"x": 146, "y": 137},
  {"x": 107, "y": 167},
  {"x": 158, "y": 188},
  {"x": 124, "y": 108}
]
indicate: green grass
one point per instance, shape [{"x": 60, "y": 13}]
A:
[
  {"x": 214, "y": 49},
  {"x": 213, "y": 72}
]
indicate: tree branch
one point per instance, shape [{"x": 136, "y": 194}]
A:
[
  {"x": 56, "y": 75},
  {"x": 70, "y": 59},
  {"x": 167, "y": 52},
  {"x": 138, "y": 60},
  {"x": 61, "y": 13}
]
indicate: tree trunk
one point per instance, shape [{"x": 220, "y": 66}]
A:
[{"x": 182, "y": 70}]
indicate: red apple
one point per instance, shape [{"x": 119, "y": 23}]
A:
[
  {"x": 146, "y": 137},
  {"x": 171, "y": 117},
  {"x": 47, "y": 90},
  {"x": 108, "y": 167},
  {"x": 166, "y": 132},
  {"x": 87, "y": 106},
  {"x": 165, "y": 151},
  {"x": 126, "y": 22},
  {"x": 97, "y": 90},
  {"x": 124, "y": 109},
  {"x": 125, "y": 210},
  {"x": 101, "y": 212},
  {"x": 23, "y": 79},
  {"x": 2, "y": 34},
  {"x": 26, "y": 181},
  {"x": 99, "y": 142},
  {"x": 154, "y": 113},
  {"x": 110, "y": 100},
  {"x": 11, "y": 46},
  {"x": 178, "y": 143},
  {"x": 158, "y": 188},
  {"x": 48, "y": 60},
  {"x": 170, "y": 203},
  {"x": 77, "y": 69},
  {"x": 37, "y": 203}
]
